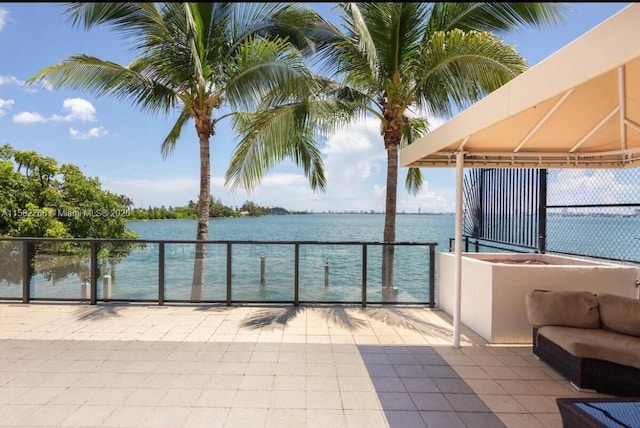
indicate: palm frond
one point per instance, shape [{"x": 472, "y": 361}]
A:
[
  {"x": 498, "y": 17},
  {"x": 99, "y": 77},
  {"x": 462, "y": 67},
  {"x": 365, "y": 43},
  {"x": 263, "y": 66},
  {"x": 414, "y": 181},
  {"x": 169, "y": 143},
  {"x": 269, "y": 137}
]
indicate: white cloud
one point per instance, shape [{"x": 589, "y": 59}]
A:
[
  {"x": 355, "y": 166},
  {"x": 91, "y": 133},
  {"x": 5, "y": 105},
  {"x": 11, "y": 80},
  {"x": 28, "y": 118},
  {"x": 427, "y": 201},
  {"x": 78, "y": 109},
  {"x": 601, "y": 186},
  {"x": 3, "y": 18}
]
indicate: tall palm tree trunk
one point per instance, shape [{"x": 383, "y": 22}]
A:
[
  {"x": 197, "y": 285},
  {"x": 390, "y": 215}
]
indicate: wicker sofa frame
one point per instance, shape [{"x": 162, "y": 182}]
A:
[{"x": 588, "y": 373}]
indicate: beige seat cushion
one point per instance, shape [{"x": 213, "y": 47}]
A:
[
  {"x": 620, "y": 314},
  {"x": 596, "y": 343},
  {"x": 564, "y": 308}
]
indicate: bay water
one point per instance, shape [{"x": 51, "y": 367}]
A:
[{"x": 265, "y": 272}]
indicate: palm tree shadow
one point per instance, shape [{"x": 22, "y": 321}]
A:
[
  {"x": 397, "y": 317},
  {"x": 282, "y": 316},
  {"x": 272, "y": 316},
  {"x": 97, "y": 312},
  {"x": 340, "y": 317}
]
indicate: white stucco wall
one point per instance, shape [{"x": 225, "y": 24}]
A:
[{"x": 493, "y": 294}]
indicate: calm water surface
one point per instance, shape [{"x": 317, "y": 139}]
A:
[{"x": 326, "y": 272}]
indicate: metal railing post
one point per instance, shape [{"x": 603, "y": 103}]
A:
[
  {"x": 296, "y": 275},
  {"x": 229, "y": 273},
  {"x": 94, "y": 272},
  {"x": 26, "y": 271},
  {"x": 432, "y": 275},
  {"x": 542, "y": 213},
  {"x": 364, "y": 275},
  {"x": 161, "y": 273}
]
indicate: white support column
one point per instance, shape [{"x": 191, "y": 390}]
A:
[{"x": 458, "y": 250}]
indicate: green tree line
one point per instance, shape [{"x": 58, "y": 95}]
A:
[{"x": 190, "y": 211}]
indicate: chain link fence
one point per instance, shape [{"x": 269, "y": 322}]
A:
[
  {"x": 590, "y": 213},
  {"x": 595, "y": 213}
]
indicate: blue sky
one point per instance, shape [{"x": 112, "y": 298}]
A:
[{"x": 120, "y": 145}]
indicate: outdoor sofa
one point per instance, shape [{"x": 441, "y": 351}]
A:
[{"x": 592, "y": 340}]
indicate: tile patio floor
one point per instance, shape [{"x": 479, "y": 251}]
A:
[{"x": 117, "y": 365}]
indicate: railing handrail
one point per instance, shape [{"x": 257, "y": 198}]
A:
[
  {"x": 28, "y": 245},
  {"x": 218, "y": 241}
]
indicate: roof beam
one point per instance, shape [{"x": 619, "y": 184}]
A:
[
  {"x": 544, "y": 119},
  {"x": 623, "y": 107},
  {"x": 595, "y": 129}
]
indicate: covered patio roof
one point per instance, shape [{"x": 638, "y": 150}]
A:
[{"x": 578, "y": 108}]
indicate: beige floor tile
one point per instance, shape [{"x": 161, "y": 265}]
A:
[
  {"x": 288, "y": 400},
  {"x": 216, "y": 398},
  {"x": 324, "y": 400},
  {"x": 360, "y": 400},
  {"x": 52, "y": 415},
  {"x": 129, "y": 416},
  {"x": 326, "y": 418},
  {"x": 531, "y": 373},
  {"x": 286, "y": 418},
  {"x": 322, "y": 383},
  {"x": 519, "y": 420},
  {"x": 554, "y": 387},
  {"x": 550, "y": 420},
  {"x": 241, "y": 418},
  {"x": 517, "y": 387},
  {"x": 471, "y": 372},
  {"x": 502, "y": 403},
  {"x": 88, "y": 416},
  {"x": 485, "y": 386},
  {"x": 365, "y": 419},
  {"x": 209, "y": 417},
  {"x": 257, "y": 382},
  {"x": 252, "y": 399},
  {"x": 289, "y": 383},
  {"x": 538, "y": 403},
  {"x": 355, "y": 383},
  {"x": 181, "y": 397}
]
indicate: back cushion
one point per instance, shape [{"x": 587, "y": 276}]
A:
[
  {"x": 563, "y": 308},
  {"x": 620, "y": 314}
]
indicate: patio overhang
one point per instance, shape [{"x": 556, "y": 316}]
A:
[{"x": 578, "y": 108}]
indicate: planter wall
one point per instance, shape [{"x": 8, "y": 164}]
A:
[{"x": 493, "y": 294}]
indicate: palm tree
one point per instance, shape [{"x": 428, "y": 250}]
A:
[
  {"x": 208, "y": 62},
  {"x": 395, "y": 60}
]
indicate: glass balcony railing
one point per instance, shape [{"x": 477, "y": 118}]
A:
[{"x": 162, "y": 271}]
